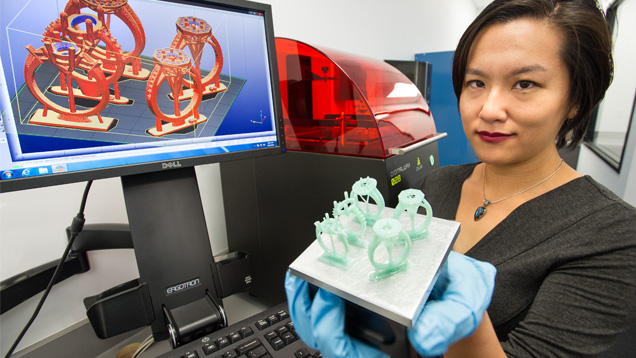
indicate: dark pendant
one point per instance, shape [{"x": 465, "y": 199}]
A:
[{"x": 480, "y": 212}]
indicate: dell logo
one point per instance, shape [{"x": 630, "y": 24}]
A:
[
  {"x": 183, "y": 286},
  {"x": 170, "y": 165}
]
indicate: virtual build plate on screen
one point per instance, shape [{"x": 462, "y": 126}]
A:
[{"x": 126, "y": 82}]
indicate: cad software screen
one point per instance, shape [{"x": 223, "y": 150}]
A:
[{"x": 94, "y": 84}]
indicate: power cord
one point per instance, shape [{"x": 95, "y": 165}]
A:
[
  {"x": 76, "y": 228},
  {"x": 135, "y": 350},
  {"x": 143, "y": 347}
]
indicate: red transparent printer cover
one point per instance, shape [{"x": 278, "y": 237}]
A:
[{"x": 338, "y": 103}]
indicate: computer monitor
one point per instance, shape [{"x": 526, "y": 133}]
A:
[
  {"x": 143, "y": 90},
  {"x": 237, "y": 119}
]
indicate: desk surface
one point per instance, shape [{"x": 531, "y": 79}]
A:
[{"x": 79, "y": 340}]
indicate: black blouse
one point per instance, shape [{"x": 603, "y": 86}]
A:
[{"x": 566, "y": 266}]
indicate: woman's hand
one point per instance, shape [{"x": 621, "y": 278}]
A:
[
  {"x": 456, "y": 306},
  {"x": 320, "y": 321}
]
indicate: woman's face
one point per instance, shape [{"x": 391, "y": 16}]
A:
[{"x": 515, "y": 92}]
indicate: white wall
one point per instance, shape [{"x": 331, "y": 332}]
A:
[
  {"x": 375, "y": 28},
  {"x": 32, "y": 222},
  {"x": 616, "y": 109}
]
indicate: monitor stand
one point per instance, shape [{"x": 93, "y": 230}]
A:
[{"x": 173, "y": 253}]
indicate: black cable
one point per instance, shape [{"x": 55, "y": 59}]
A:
[{"x": 76, "y": 228}]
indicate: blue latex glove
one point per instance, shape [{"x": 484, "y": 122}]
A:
[
  {"x": 456, "y": 306},
  {"x": 320, "y": 322}
]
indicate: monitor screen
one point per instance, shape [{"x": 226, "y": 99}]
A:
[{"x": 100, "y": 88}]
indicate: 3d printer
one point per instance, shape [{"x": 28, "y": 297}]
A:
[{"x": 346, "y": 117}]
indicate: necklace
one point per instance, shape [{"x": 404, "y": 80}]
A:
[{"x": 481, "y": 211}]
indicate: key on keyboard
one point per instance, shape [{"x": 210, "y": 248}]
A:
[{"x": 269, "y": 334}]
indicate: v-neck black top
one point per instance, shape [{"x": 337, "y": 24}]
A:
[{"x": 566, "y": 266}]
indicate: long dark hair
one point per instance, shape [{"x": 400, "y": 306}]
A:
[{"x": 586, "y": 50}]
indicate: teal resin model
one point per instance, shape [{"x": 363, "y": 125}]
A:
[
  {"x": 410, "y": 200},
  {"x": 332, "y": 229},
  {"x": 393, "y": 237},
  {"x": 364, "y": 190},
  {"x": 351, "y": 219},
  {"x": 389, "y": 233}
]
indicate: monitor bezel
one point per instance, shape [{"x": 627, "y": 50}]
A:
[{"x": 25, "y": 183}]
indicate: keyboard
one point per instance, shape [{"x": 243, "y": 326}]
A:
[{"x": 269, "y": 334}]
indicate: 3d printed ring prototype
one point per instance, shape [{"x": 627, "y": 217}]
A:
[
  {"x": 351, "y": 219},
  {"x": 196, "y": 33},
  {"x": 364, "y": 190},
  {"x": 330, "y": 228},
  {"x": 172, "y": 65},
  {"x": 121, "y": 9},
  {"x": 89, "y": 32},
  {"x": 410, "y": 200},
  {"x": 66, "y": 57},
  {"x": 389, "y": 232}
]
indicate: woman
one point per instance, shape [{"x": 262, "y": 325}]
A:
[{"x": 527, "y": 74}]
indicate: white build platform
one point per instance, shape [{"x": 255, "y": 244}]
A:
[{"x": 399, "y": 297}]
